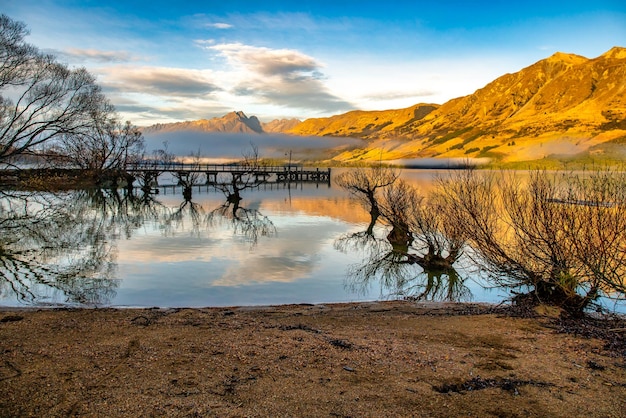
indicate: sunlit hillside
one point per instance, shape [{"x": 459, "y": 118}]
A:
[
  {"x": 364, "y": 124},
  {"x": 562, "y": 106}
]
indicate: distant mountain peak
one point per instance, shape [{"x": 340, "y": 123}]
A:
[
  {"x": 617, "y": 52},
  {"x": 233, "y": 122},
  {"x": 236, "y": 113},
  {"x": 572, "y": 59}
]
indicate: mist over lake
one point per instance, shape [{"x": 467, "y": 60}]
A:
[{"x": 233, "y": 145}]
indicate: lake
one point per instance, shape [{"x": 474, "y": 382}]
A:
[{"x": 296, "y": 243}]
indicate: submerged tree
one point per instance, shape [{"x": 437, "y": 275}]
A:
[
  {"x": 190, "y": 176},
  {"x": 246, "y": 174},
  {"x": 563, "y": 234},
  {"x": 419, "y": 230},
  {"x": 364, "y": 185},
  {"x": 397, "y": 206}
]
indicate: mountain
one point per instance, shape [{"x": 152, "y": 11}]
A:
[
  {"x": 280, "y": 125},
  {"x": 233, "y": 122},
  {"x": 363, "y": 124},
  {"x": 563, "y": 105}
]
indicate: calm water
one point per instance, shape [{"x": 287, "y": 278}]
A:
[{"x": 301, "y": 244}]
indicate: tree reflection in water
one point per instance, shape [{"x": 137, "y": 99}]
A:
[
  {"x": 398, "y": 273},
  {"x": 247, "y": 223},
  {"x": 55, "y": 243},
  {"x": 64, "y": 244},
  {"x": 176, "y": 220}
]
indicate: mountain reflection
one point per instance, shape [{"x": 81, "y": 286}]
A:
[{"x": 397, "y": 272}]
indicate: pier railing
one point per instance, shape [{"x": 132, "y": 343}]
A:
[{"x": 281, "y": 173}]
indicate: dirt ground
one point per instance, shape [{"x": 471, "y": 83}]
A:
[{"x": 346, "y": 360}]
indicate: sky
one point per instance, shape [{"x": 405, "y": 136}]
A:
[{"x": 167, "y": 61}]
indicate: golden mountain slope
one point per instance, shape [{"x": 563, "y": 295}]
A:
[
  {"x": 280, "y": 125},
  {"x": 563, "y": 105},
  {"x": 363, "y": 124}
]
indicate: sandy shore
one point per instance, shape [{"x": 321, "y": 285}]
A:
[{"x": 341, "y": 360}]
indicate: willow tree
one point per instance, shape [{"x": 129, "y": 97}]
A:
[
  {"x": 48, "y": 108},
  {"x": 562, "y": 235},
  {"x": 365, "y": 184},
  {"x": 40, "y": 99},
  {"x": 419, "y": 233}
]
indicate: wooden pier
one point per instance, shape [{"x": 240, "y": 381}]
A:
[{"x": 277, "y": 174}]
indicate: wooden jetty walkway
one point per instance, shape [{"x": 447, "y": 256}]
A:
[{"x": 279, "y": 174}]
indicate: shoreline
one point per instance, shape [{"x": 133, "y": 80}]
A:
[
  {"x": 389, "y": 358},
  {"x": 252, "y": 307}
]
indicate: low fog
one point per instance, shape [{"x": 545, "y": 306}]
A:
[{"x": 232, "y": 146}]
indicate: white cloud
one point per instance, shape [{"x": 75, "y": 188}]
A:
[
  {"x": 267, "y": 61},
  {"x": 172, "y": 82},
  {"x": 204, "y": 43},
  {"x": 282, "y": 77},
  {"x": 219, "y": 25},
  {"x": 93, "y": 55}
]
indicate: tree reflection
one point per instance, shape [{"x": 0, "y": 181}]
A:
[
  {"x": 176, "y": 220},
  {"x": 398, "y": 272},
  {"x": 62, "y": 247},
  {"x": 52, "y": 244},
  {"x": 65, "y": 244},
  {"x": 248, "y": 223}
]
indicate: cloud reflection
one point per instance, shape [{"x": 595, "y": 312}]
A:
[{"x": 221, "y": 259}]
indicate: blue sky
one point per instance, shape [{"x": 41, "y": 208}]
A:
[{"x": 166, "y": 61}]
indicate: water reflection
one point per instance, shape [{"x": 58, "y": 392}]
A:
[
  {"x": 63, "y": 248},
  {"x": 248, "y": 223},
  {"x": 57, "y": 245},
  {"x": 103, "y": 247},
  {"x": 397, "y": 272}
]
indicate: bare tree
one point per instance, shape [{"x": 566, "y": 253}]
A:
[
  {"x": 595, "y": 224},
  {"x": 419, "y": 229},
  {"x": 562, "y": 234},
  {"x": 190, "y": 176},
  {"x": 396, "y": 207},
  {"x": 439, "y": 240},
  {"x": 245, "y": 175},
  {"x": 151, "y": 169},
  {"x": 16, "y": 56},
  {"x": 419, "y": 224},
  {"x": 40, "y": 98},
  {"x": 109, "y": 146},
  {"x": 364, "y": 185}
]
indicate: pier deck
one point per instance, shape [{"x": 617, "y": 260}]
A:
[{"x": 285, "y": 173}]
